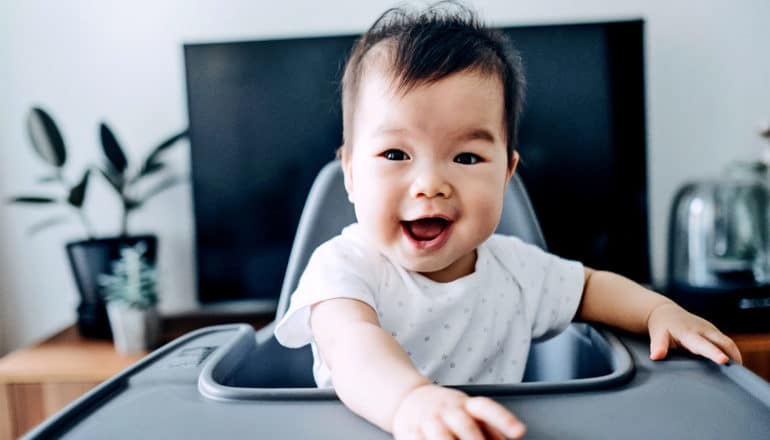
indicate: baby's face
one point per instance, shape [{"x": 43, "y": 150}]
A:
[{"x": 427, "y": 171}]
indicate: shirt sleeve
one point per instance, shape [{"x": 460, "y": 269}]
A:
[
  {"x": 552, "y": 287},
  {"x": 337, "y": 269}
]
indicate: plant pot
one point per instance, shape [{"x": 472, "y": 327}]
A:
[
  {"x": 91, "y": 258},
  {"x": 133, "y": 330}
]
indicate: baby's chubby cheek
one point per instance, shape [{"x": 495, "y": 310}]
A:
[
  {"x": 489, "y": 216},
  {"x": 382, "y": 225}
]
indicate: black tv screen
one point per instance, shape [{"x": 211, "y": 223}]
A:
[{"x": 265, "y": 117}]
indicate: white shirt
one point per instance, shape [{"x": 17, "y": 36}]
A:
[{"x": 476, "y": 329}]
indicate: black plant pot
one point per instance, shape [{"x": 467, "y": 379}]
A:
[{"x": 91, "y": 258}]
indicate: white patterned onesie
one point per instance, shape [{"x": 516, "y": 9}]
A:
[{"x": 476, "y": 329}]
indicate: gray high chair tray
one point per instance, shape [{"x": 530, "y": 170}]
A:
[{"x": 232, "y": 382}]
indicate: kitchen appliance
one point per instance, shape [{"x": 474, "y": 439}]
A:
[{"x": 719, "y": 248}]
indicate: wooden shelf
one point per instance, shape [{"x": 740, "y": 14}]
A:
[
  {"x": 64, "y": 357},
  {"x": 38, "y": 381}
]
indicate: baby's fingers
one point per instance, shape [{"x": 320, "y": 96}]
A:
[
  {"x": 491, "y": 433},
  {"x": 659, "y": 342},
  {"x": 462, "y": 425},
  {"x": 435, "y": 429},
  {"x": 702, "y": 346},
  {"x": 496, "y": 416},
  {"x": 726, "y": 344}
]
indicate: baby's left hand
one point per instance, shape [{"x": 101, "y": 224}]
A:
[{"x": 671, "y": 326}]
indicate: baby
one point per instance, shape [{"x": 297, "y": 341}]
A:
[{"x": 420, "y": 292}]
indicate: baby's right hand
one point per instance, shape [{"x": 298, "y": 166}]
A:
[{"x": 434, "y": 412}]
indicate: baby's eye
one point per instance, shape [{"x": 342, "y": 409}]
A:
[
  {"x": 467, "y": 158},
  {"x": 394, "y": 154}
]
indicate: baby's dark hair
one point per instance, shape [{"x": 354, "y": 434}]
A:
[{"x": 426, "y": 47}]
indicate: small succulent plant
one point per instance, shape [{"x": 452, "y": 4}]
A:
[
  {"x": 48, "y": 143},
  {"x": 133, "y": 281}
]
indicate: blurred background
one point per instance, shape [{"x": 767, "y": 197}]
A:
[{"x": 707, "y": 81}]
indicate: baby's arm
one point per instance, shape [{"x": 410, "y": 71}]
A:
[
  {"x": 375, "y": 378},
  {"x": 612, "y": 299},
  {"x": 370, "y": 371}
]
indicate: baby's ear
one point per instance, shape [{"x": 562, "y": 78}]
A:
[
  {"x": 512, "y": 167},
  {"x": 347, "y": 170}
]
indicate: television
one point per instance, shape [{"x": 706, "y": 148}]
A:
[{"x": 265, "y": 117}]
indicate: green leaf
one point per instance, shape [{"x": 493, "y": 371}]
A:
[
  {"x": 46, "y": 138},
  {"x": 33, "y": 199},
  {"x": 148, "y": 169},
  {"x": 39, "y": 226},
  {"x": 152, "y": 158},
  {"x": 78, "y": 192},
  {"x": 161, "y": 186},
  {"x": 114, "y": 179},
  {"x": 131, "y": 204},
  {"x": 48, "y": 179},
  {"x": 113, "y": 151}
]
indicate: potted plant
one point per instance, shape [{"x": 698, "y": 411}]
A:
[
  {"x": 92, "y": 256},
  {"x": 130, "y": 292}
]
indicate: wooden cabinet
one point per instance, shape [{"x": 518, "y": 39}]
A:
[
  {"x": 38, "y": 381},
  {"x": 755, "y": 350}
]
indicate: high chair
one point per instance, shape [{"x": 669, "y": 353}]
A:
[{"x": 588, "y": 382}]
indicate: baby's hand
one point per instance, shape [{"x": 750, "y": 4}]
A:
[
  {"x": 672, "y": 326},
  {"x": 434, "y": 412}
]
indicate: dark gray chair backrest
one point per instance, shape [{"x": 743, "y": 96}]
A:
[{"x": 327, "y": 210}]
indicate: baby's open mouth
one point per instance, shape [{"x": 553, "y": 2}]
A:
[{"x": 425, "y": 229}]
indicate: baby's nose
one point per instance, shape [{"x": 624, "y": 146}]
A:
[{"x": 431, "y": 184}]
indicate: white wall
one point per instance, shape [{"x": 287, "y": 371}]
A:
[{"x": 708, "y": 88}]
